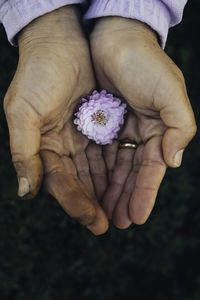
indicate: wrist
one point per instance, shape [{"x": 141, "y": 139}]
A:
[
  {"x": 61, "y": 25},
  {"x": 107, "y": 27}
]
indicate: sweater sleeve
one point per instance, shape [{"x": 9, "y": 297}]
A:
[
  {"x": 160, "y": 15},
  {"x": 16, "y": 14}
]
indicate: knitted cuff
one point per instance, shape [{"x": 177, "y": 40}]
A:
[
  {"x": 159, "y": 15},
  {"x": 16, "y": 14}
]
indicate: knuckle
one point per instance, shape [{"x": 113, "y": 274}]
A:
[
  {"x": 152, "y": 163},
  {"x": 93, "y": 151},
  {"x": 83, "y": 172},
  {"x": 146, "y": 188},
  {"x": 97, "y": 157},
  {"x": 116, "y": 182},
  {"x": 54, "y": 170},
  {"x": 124, "y": 164},
  {"x": 18, "y": 160},
  {"x": 101, "y": 172}
]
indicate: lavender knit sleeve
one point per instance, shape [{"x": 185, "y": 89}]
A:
[
  {"x": 16, "y": 14},
  {"x": 160, "y": 15}
]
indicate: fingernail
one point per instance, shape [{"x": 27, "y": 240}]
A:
[
  {"x": 178, "y": 158},
  {"x": 24, "y": 188}
]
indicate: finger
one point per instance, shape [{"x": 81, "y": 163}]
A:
[
  {"x": 25, "y": 144},
  {"x": 121, "y": 171},
  {"x": 70, "y": 193},
  {"x": 179, "y": 118},
  {"x": 82, "y": 166},
  {"x": 110, "y": 156},
  {"x": 121, "y": 217},
  {"x": 97, "y": 168},
  {"x": 148, "y": 180},
  {"x": 69, "y": 166},
  {"x": 100, "y": 224}
]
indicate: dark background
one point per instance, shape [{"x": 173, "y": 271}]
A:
[{"x": 44, "y": 255}]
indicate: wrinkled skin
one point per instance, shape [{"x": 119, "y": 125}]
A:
[
  {"x": 130, "y": 63},
  {"x": 53, "y": 72}
]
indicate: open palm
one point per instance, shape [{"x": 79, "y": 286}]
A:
[
  {"x": 130, "y": 63},
  {"x": 52, "y": 74}
]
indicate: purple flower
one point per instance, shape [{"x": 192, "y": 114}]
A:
[{"x": 99, "y": 117}]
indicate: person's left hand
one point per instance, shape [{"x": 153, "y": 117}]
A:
[
  {"x": 130, "y": 63},
  {"x": 135, "y": 174},
  {"x": 138, "y": 170}
]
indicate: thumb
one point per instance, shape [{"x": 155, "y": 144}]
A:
[
  {"x": 25, "y": 144},
  {"x": 178, "y": 116}
]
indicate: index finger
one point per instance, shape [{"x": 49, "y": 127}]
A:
[
  {"x": 97, "y": 168},
  {"x": 69, "y": 191}
]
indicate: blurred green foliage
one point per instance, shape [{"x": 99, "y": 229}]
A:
[{"x": 44, "y": 255}]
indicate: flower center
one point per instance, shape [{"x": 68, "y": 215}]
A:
[{"x": 99, "y": 117}]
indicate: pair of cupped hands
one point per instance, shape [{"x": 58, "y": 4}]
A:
[{"x": 94, "y": 183}]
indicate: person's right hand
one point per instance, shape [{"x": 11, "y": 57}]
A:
[{"x": 54, "y": 71}]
